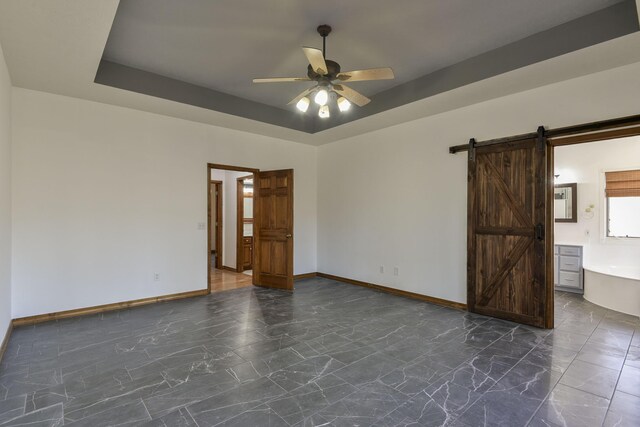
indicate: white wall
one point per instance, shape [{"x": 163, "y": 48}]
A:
[
  {"x": 105, "y": 196},
  {"x": 5, "y": 197},
  {"x": 396, "y": 197},
  {"x": 585, "y": 164}
]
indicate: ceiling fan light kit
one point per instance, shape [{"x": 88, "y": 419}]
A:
[{"x": 329, "y": 80}]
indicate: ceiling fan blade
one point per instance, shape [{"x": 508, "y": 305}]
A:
[
  {"x": 316, "y": 59},
  {"x": 370, "y": 74},
  {"x": 354, "y": 96},
  {"x": 302, "y": 95},
  {"x": 282, "y": 80}
]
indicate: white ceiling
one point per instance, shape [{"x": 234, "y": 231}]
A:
[
  {"x": 56, "y": 46},
  {"x": 224, "y": 44}
]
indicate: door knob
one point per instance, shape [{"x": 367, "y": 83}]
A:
[{"x": 288, "y": 236}]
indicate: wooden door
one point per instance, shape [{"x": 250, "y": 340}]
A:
[
  {"x": 247, "y": 253},
  {"x": 215, "y": 221},
  {"x": 509, "y": 231},
  {"x": 273, "y": 218}
]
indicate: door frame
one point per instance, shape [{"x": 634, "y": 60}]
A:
[
  {"x": 217, "y": 187},
  {"x": 240, "y": 222},
  {"x": 253, "y": 171}
]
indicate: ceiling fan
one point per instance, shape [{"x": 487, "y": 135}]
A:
[{"x": 328, "y": 77}]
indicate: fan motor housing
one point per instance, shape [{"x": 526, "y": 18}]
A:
[{"x": 333, "y": 69}]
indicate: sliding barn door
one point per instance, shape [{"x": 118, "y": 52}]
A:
[
  {"x": 274, "y": 226},
  {"x": 509, "y": 232}
]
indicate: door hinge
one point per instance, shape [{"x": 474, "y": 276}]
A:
[
  {"x": 472, "y": 149},
  {"x": 542, "y": 139}
]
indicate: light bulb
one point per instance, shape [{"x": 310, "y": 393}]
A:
[
  {"x": 303, "y": 104},
  {"x": 343, "y": 104},
  {"x": 321, "y": 97},
  {"x": 323, "y": 112}
]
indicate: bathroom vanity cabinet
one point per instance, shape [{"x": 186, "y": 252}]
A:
[{"x": 568, "y": 273}]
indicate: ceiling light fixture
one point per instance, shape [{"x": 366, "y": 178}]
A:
[
  {"x": 343, "y": 104},
  {"x": 323, "y": 112},
  {"x": 303, "y": 104},
  {"x": 330, "y": 80},
  {"x": 322, "y": 96}
]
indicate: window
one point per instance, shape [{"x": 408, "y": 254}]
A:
[{"x": 623, "y": 203}]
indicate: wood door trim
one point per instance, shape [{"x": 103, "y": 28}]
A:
[
  {"x": 239, "y": 224},
  {"x": 582, "y": 133},
  {"x": 232, "y": 168},
  {"x": 255, "y": 212},
  {"x": 218, "y": 226},
  {"x": 595, "y": 136},
  {"x": 398, "y": 292},
  {"x": 39, "y": 318}
]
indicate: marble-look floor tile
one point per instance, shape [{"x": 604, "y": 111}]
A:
[
  {"x": 305, "y": 372},
  {"x": 257, "y": 417},
  {"x": 179, "y": 418},
  {"x": 366, "y": 370},
  {"x": 305, "y": 401},
  {"x": 51, "y": 416},
  {"x": 420, "y": 410},
  {"x": 363, "y": 407},
  {"x": 567, "y": 406},
  {"x": 629, "y": 381},
  {"x": 602, "y": 355},
  {"x": 327, "y": 354},
  {"x": 227, "y": 405},
  {"x": 591, "y": 378},
  {"x": 633, "y": 357},
  {"x": 623, "y": 411},
  {"x": 130, "y": 414},
  {"x": 12, "y": 408}
]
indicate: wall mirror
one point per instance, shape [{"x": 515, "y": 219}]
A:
[{"x": 566, "y": 202}]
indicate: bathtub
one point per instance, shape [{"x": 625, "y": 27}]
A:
[{"x": 614, "y": 287}]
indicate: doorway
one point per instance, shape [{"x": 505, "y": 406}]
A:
[
  {"x": 244, "y": 225},
  {"x": 597, "y": 222},
  {"x": 215, "y": 222},
  {"x": 250, "y": 228}
]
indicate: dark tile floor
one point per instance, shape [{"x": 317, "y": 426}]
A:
[{"x": 329, "y": 354}]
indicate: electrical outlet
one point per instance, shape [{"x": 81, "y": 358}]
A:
[
  {"x": 396, "y": 271},
  {"x": 156, "y": 277},
  {"x": 587, "y": 232},
  {"x": 201, "y": 226},
  {"x": 382, "y": 269}
]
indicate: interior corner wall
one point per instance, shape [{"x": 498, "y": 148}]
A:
[
  {"x": 5, "y": 198},
  {"x": 104, "y": 197},
  {"x": 397, "y": 198}
]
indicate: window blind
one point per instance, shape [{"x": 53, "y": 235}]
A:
[{"x": 623, "y": 183}]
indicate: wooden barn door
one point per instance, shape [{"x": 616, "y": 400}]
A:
[
  {"x": 274, "y": 227},
  {"x": 510, "y": 232}
]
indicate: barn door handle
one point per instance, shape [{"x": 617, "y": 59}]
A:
[{"x": 539, "y": 231}]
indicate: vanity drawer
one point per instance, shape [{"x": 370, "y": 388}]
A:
[
  {"x": 570, "y": 250},
  {"x": 570, "y": 280},
  {"x": 556, "y": 250},
  {"x": 570, "y": 263}
]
